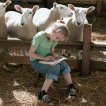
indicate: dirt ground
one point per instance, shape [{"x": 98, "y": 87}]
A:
[{"x": 17, "y": 89}]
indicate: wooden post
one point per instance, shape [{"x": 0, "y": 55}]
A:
[
  {"x": 99, "y": 6},
  {"x": 86, "y": 49}
]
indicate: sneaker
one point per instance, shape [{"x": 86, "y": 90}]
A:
[
  {"x": 72, "y": 92},
  {"x": 43, "y": 96}
]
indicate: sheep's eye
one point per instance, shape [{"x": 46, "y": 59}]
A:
[
  {"x": 61, "y": 8},
  {"x": 85, "y": 12},
  {"x": 30, "y": 12},
  {"x": 4, "y": 6}
]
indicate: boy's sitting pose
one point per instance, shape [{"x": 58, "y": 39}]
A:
[{"x": 42, "y": 48}]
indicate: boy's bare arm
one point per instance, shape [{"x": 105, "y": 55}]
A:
[
  {"x": 32, "y": 54},
  {"x": 53, "y": 53}
]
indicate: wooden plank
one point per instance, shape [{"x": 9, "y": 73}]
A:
[
  {"x": 19, "y": 43},
  {"x": 70, "y": 46},
  {"x": 26, "y": 4},
  {"x": 14, "y": 59},
  {"x": 38, "y": 1},
  {"x": 94, "y": 65},
  {"x": 79, "y": 1},
  {"x": 14, "y": 43},
  {"x": 99, "y": 6},
  {"x": 104, "y": 2},
  {"x": 97, "y": 65},
  {"x": 73, "y": 63},
  {"x": 98, "y": 47},
  {"x": 86, "y": 50},
  {"x": 76, "y": 45}
]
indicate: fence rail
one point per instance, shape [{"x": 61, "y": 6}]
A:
[{"x": 86, "y": 46}]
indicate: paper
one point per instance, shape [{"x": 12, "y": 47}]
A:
[{"x": 53, "y": 63}]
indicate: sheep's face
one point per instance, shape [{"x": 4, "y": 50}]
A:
[
  {"x": 63, "y": 10},
  {"x": 27, "y": 14},
  {"x": 80, "y": 14},
  {"x": 3, "y": 7}
]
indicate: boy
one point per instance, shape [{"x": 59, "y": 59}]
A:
[{"x": 43, "y": 48}]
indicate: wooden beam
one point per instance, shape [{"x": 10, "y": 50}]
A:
[
  {"x": 99, "y": 7},
  {"x": 14, "y": 43},
  {"x": 98, "y": 47},
  {"x": 86, "y": 50},
  {"x": 14, "y": 59},
  {"x": 26, "y": 44},
  {"x": 98, "y": 65}
]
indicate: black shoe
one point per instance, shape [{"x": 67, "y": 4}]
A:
[
  {"x": 43, "y": 96},
  {"x": 72, "y": 92}
]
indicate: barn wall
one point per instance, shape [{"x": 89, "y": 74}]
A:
[{"x": 99, "y": 4}]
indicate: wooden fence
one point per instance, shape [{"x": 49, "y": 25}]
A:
[{"x": 85, "y": 64}]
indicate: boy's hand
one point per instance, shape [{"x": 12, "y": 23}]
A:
[
  {"x": 56, "y": 56},
  {"x": 50, "y": 58}
]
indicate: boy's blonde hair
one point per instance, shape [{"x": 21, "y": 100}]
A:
[{"x": 59, "y": 27}]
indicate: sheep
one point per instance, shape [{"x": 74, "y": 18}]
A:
[
  {"x": 76, "y": 22},
  {"x": 44, "y": 17},
  {"x": 3, "y": 27},
  {"x": 21, "y": 25}
]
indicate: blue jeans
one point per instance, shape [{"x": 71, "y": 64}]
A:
[{"x": 52, "y": 72}]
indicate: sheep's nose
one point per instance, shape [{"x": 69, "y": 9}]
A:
[
  {"x": 71, "y": 14},
  {"x": 78, "y": 23},
  {"x": 22, "y": 24}
]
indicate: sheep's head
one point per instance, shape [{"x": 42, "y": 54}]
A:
[
  {"x": 27, "y": 13},
  {"x": 80, "y": 14},
  {"x": 63, "y": 10},
  {"x": 3, "y": 7}
]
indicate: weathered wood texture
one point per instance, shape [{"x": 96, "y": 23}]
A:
[
  {"x": 86, "y": 49},
  {"x": 81, "y": 1}
]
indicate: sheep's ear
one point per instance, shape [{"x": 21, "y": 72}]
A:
[
  {"x": 55, "y": 4},
  {"x": 18, "y": 8},
  {"x": 35, "y": 8},
  {"x": 72, "y": 7},
  {"x": 8, "y": 2},
  {"x": 60, "y": 21},
  {"x": 90, "y": 9}
]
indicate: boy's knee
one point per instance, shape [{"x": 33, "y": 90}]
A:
[
  {"x": 64, "y": 67},
  {"x": 63, "y": 64},
  {"x": 52, "y": 76},
  {"x": 54, "y": 72}
]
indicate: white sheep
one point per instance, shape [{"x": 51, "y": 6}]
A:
[
  {"x": 44, "y": 17},
  {"x": 75, "y": 24},
  {"x": 3, "y": 28},
  {"x": 21, "y": 25}
]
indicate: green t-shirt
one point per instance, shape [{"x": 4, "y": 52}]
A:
[{"x": 43, "y": 44}]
